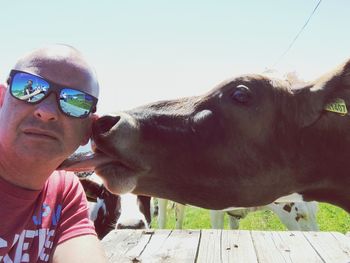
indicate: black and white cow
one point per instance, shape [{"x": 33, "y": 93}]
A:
[
  {"x": 109, "y": 211},
  {"x": 295, "y": 216}
]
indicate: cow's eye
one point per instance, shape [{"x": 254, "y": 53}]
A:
[{"x": 241, "y": 94}]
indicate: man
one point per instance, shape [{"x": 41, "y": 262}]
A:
[
  {"x": 28, "y": 89},
  {"x": 44, "y": 214}
]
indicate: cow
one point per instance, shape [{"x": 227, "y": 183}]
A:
[
  {"x": 109, "y": 211},
  {"x": 104, "y": 207},
  {"x": 295, "y": 216},
  {"x": 162, "y": 213},
  {"x": 247, "y": 142},
  {"x": 298, "y": 216}
]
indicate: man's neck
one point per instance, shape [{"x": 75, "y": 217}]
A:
[{"x": 29, "y": 175}]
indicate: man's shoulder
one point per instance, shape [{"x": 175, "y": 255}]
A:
[
  {"x": 63, "y": 175},
  {"x": 62, "y": 179}
]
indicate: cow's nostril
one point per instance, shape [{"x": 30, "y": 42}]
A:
[{"x": 105, "y": 123}]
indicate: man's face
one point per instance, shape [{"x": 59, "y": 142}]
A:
[{"x": 41, "y": 131}]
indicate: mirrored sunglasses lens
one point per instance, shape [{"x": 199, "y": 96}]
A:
[
  {"x": 76, "y": 103},
  {"x": 28, "y": 88}
]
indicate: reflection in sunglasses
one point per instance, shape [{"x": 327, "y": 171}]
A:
[{"x": 30, "y": 95}]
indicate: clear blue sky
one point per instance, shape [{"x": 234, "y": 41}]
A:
[{"x": 153, "y": 50}]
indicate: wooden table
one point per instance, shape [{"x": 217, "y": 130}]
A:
[{"x": 226, "y": 246}]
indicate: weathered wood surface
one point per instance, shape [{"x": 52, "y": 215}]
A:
[{"x": 226, "y": 246}]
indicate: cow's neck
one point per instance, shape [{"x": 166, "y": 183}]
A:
[
  {"x": 324, "y": 162},
  {"x": 339, "y": 197},
  {"x": 327, "y": 186}
]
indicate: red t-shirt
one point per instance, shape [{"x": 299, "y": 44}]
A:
[{"x": 33, "y": 222}]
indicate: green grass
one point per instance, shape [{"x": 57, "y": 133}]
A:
[
  {"x": 79, "y": 103},
  {"x": 329, "y": 218}
]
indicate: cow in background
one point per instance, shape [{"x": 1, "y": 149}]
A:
[
  {"x": 300, "y": 216},
  {"x": 294, "y": 215},
  {"x": 109, "y": 211}
]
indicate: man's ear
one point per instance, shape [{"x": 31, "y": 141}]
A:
[
  {"x": 88, "y": 132},
  {"x": 2, "y": 94},
  {"x": 312, "y": 98}
]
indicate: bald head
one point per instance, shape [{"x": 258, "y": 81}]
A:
[{"x": 63, "y": 65}]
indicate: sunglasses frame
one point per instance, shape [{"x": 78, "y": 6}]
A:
[{"x": 53, "y": 88}]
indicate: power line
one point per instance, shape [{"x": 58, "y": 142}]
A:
[{"x": 296, "y": 37}]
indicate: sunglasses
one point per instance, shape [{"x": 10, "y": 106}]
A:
[{"x": 33, "y": 89}]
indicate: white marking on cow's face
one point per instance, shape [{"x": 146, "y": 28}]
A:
[
  {"x": 130, "y": 214},
  {"x": 95, "y": 207},
  {"x": 199, "y": 116}
]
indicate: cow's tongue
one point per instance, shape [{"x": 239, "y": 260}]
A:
[{"x": 84, "y": 162}]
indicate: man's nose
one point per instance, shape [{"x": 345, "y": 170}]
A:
[{"x": 47, "y": 110}]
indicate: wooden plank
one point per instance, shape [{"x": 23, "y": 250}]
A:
[
  {"x": 297, "y": 247},
  {"x": 282, "y": 246},
  {"x": 225, "y": 246},
  {"x": 155, "y": 243},
  {"x": 210, "y": 246},
  {"x": 343, "y": 242},
  {"x": 237, "y": 246},
  {"x": 265, "y": 247},
  {"x": 330, "y": 246},
  {"x": 125, "y": 245},
  {"x": 171, "y": 246}
]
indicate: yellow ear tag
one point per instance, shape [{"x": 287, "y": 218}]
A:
[{"x": 337, "y": 106}]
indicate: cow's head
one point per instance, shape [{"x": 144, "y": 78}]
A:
[
  {"x": 247, "y": 142},
  {"x": 109, "y": 211},
  {"x": 106, "y": 210}
]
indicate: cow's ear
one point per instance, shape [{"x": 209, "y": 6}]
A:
[{"x": 312, "y": 98}]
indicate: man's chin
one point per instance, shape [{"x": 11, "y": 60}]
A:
[{"x": 41, "y": 153}]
